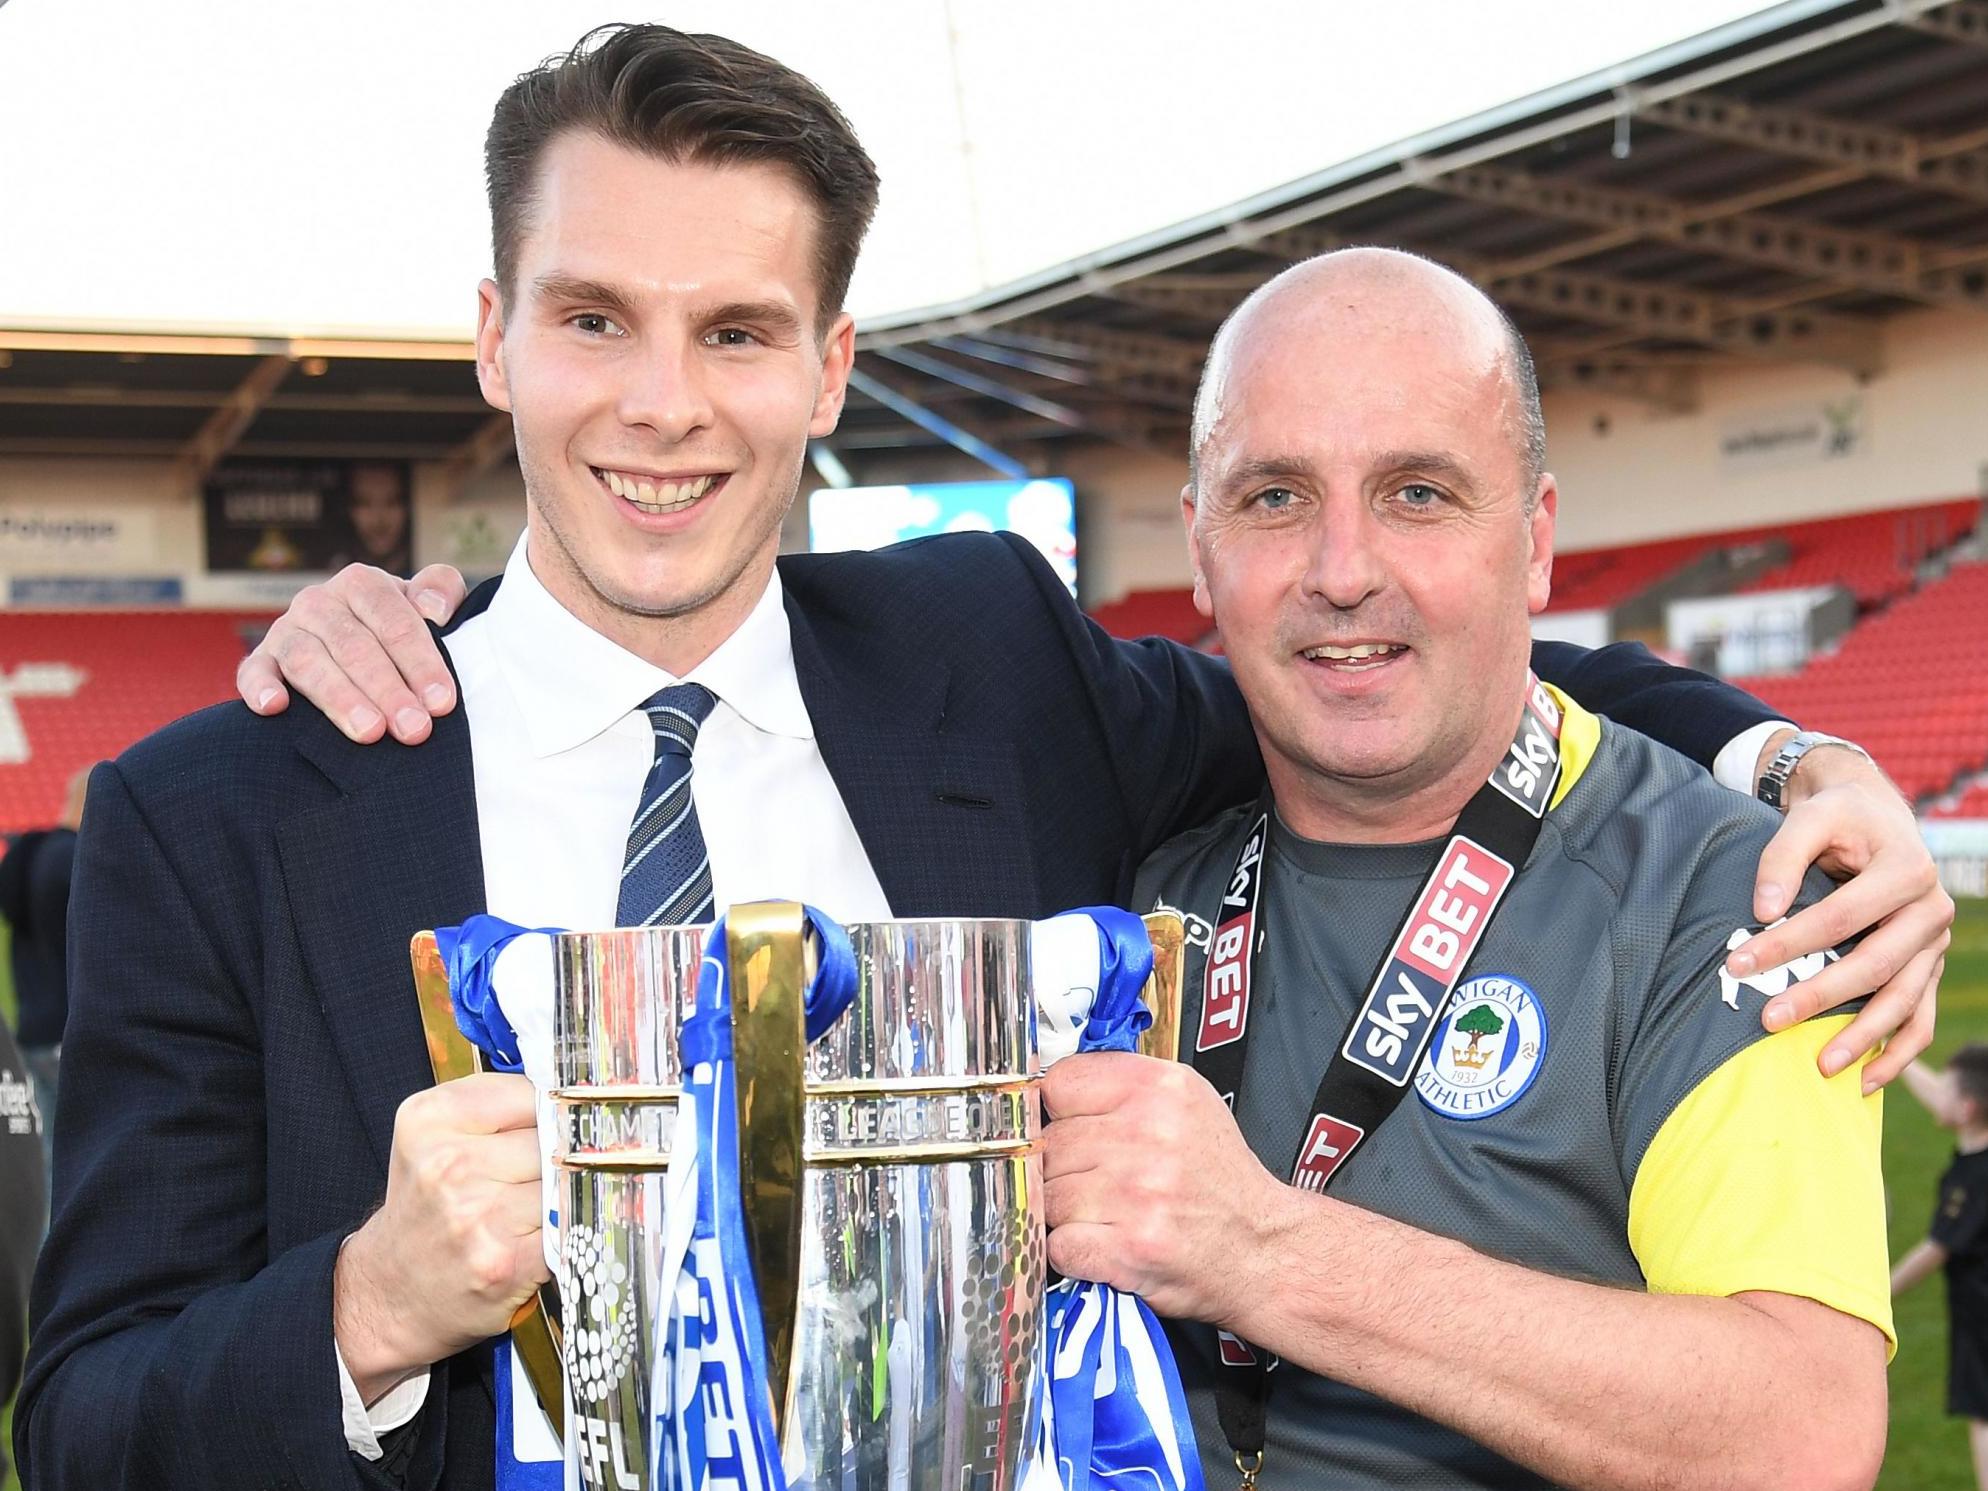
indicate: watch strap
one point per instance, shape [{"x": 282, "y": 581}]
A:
[{"x": 1772, "y": 788}]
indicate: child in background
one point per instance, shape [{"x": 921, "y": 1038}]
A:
[{"x": 1957, "y": 1097}]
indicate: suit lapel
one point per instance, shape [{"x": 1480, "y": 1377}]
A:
[
  {"x": 397, "y": 853},
  {"x": 941, "y": 814}
]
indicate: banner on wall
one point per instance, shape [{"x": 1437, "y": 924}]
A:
[
  {"x": 70, "y": 540},
  {"x": 95, "y": 592},
  {"x": 308, "y": 517},
  {"x": 1795, "y": 435}
]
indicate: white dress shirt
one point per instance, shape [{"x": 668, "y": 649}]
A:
[
  {"x": 1738, "y": 760},
  {"x": 561, "y": 748}
]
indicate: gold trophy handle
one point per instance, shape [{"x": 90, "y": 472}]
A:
[
  {"x": 767, "y": 944},
  {"x": 535, "y": 1333},
  {"x": 1163, "y": 988}
]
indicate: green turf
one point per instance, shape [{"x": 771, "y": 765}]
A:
[{"x": 1929, "y": 1450}]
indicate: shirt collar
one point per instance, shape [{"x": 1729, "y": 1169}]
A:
[{"x": 571, "y": 683}]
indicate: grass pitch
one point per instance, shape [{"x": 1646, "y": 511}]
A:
[{"x": 1928, "y": 1450}]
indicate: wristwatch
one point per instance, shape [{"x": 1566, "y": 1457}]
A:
[{"x": 1773, "y": 783}]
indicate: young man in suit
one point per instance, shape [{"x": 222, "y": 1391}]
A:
[{"x": 278, "y": 1254}]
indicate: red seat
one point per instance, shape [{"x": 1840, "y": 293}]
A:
[
  {"x": 84, "y": 685},
  {"x": 1907, "y": 682}
]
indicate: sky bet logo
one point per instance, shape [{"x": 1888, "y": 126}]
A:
[
  {"x": 1428, "y": 958},
  {"x": 1225, "y": 1001},
  {"x": 1531, "y": 766},
  {"x": 1325, "y": 1149}
]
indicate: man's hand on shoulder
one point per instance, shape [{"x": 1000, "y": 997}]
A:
[
  {"x": 1846, "y": 818},
  {"x": 455, "y": 1248},
  {"x": 358, "y": 647}
]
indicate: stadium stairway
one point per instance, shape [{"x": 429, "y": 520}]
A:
[
  {"x": 1602, "y": 579},
  {"x": 77, "y": 687},
  {"x": 1875, "y": 556}
]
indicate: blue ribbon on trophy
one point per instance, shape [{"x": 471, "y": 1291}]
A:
[
  {"x": 1114, "y": 1417},
  {"x": 469, "y": 955},
  {"x": 710, "y": 1386}
]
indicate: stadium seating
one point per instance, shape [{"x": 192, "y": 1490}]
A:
[
  {"x": 79, "y": 686},
  {"x": 1873, "y": 555},
  {"x": 1601, "y": 579},
  {"x": 1909, "y": 682},
  {"x": 1972, "y": 803},
  {"x": 1155, "y": 613}
]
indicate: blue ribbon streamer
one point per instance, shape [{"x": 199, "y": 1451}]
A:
[
  {"x": 469, "y": 955},
  {"x": 717, "y": 1428},
  {"x": 1115, "y": 1415}
]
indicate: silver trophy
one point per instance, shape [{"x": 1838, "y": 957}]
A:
[{"x": 891, "y": 1183}]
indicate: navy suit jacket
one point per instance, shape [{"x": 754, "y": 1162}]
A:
[{"x": 243, "y": 1025}]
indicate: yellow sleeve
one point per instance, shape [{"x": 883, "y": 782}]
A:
[{"x": 1767, "y": 1177}]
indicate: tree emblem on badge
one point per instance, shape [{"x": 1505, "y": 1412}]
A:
[
  {"x": 1476, "y": 1023},
  {"x": 1488, "y": 1050}
]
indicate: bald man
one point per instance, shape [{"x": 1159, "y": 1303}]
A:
[{"x": 1478, "y": 1143}]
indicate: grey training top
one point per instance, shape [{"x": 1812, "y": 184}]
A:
[{"x": 1613, "y": 933}]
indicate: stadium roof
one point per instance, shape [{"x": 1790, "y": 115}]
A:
[{"x": 1768, "y": 192}]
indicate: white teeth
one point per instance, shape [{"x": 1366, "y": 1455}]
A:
[
  {"x": 1351, "y": 654},
  {"x": 650, "y": 496}
]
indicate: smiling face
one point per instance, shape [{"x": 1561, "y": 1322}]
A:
[
  {"x": 1361, "y": 534},
  {"x": 660, "y": 358}
]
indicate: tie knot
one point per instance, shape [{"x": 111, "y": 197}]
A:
[{"x": 675, "y": 713}]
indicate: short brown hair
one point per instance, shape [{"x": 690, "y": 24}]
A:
[
  {"x": 683, "y": 97},
  {"x": 1969, "y": 1066}
]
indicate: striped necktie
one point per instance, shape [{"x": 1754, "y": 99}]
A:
[{"x": 666, "y": 874}]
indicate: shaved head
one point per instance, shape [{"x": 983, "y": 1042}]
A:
[
  {"x": 1369, "y": 528},
  {"x": 1388, "y": 285}
]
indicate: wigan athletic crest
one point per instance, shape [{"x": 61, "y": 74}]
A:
[{"x": 1487, "y": 1051}]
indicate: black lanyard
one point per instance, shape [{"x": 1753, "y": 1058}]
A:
[{"x": 1376, "y": 1058}]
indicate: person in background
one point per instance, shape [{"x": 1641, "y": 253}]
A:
[
  {"x": 1957, "y": 1098},
  {"x": 23, "y": 1205},
  {"x": 34, "y": 898}
]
